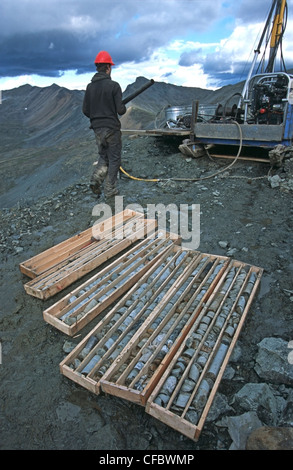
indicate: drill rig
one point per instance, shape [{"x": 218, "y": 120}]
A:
[{"x": 263, "y": 113}]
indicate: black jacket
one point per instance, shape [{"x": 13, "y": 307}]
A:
[{"x": 103, "y": 102}]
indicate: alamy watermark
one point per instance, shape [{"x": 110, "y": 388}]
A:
[{"x": 182, "y": 221}]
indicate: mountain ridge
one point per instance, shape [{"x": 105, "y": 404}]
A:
[{"x": 36, "y": 116}]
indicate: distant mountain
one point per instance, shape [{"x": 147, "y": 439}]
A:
[
  {"x": 161, "y": 94},
  {"x": 32, "y": 116},
  {"x": 143, "y": 109}
]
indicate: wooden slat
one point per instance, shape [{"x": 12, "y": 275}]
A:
[
  {"x": 106, "y": 286},
  {"x": 148, "y": 289},
  {"x": 64, "y": 250},
  {"x": 248, "y": 159},
  {"x": 43, "y": 261},
  {"x": 167, "y": 306},
  {"x": 196, "y": 291},
  {"x": 159, "y": 287},
  {"x": 156, "y": 132},
  {"x": 69, "y": 271},
  {"x": 169, "y": 413}
]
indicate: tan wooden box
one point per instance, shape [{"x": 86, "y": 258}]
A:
[
  {"x": 72, "y": 247},
  {"x": 184, "y": 315},
  {"x": 139, "y": 367},
  {"x": 91, "y": 358},
  {"x": 90, "y": 299},
  {"x": 182, "y": 400},
  {"x": 69, "y": 270}
]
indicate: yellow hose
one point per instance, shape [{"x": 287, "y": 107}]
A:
[
  {"x": 194, "y": 179},
  {"x": 137, "y": 179}
]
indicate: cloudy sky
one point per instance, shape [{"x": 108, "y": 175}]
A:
[{"x": 201, "y": 43}]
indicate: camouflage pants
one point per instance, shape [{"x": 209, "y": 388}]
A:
[{"x": 109, "y": 145}]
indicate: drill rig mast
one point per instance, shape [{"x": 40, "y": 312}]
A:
[{"x": 264, "y": 113}]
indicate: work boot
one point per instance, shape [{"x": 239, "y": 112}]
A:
[
  {"x": 110, "y": 190},
  {"x": 97, "y": 179},
  {"x": 96, "y": 189}
]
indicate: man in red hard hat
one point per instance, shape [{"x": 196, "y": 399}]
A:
[{"x": 102, "y": 104}]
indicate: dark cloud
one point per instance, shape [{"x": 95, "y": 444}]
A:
[
  {"x": 190, "y": 58},
  {"x": 252, "y": 11},
  {"x": 50, "y": 37},
  {"x": 47, "y": 53},
  {"x": 50, "y": 52}
]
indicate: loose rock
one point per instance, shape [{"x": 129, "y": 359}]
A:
[{"x": 269, "y": 438}]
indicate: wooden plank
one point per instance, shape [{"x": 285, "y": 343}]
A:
[
  {"x": 33, "y": 266},
  {"x": 64, "y": 274},
  {"x": 86, "y": 302},
  {"x": 248, "y": 159},
  {"x": 135, "y": 305},
  {"x": 173, "y": 322},
  {"x": 91, "y": 251},
  {"x": 68, "y": 271},
  {"x": 156, "y": 132},
  {"x": 62, "y": 251},
  {"x": 258, "y": 272},
  {"x": 83, "y": 381},
  {"x": 190, "y": 416},
  {"x": 133, "y": 342},
  {"x": 209, "y": 287}
]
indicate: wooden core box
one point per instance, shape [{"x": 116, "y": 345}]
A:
[
  {"x": 91, "y": 298},
  {"x": 168, "y": 338},
  {"x": 166, "y": 343},
  {"x": 56, "y": 268},
  {"x": 185, "y": 392}
]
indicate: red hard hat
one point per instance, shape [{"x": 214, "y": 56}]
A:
[{"x": 104, "y": 57}]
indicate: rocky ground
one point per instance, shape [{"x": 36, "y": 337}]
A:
[{"x": 245, "y": 214}]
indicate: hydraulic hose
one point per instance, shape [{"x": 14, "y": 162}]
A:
[
  {"x": 194, "y": 179},
  {"x": 138, "y": 179},
  {"x": 223, "y": 169}
]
